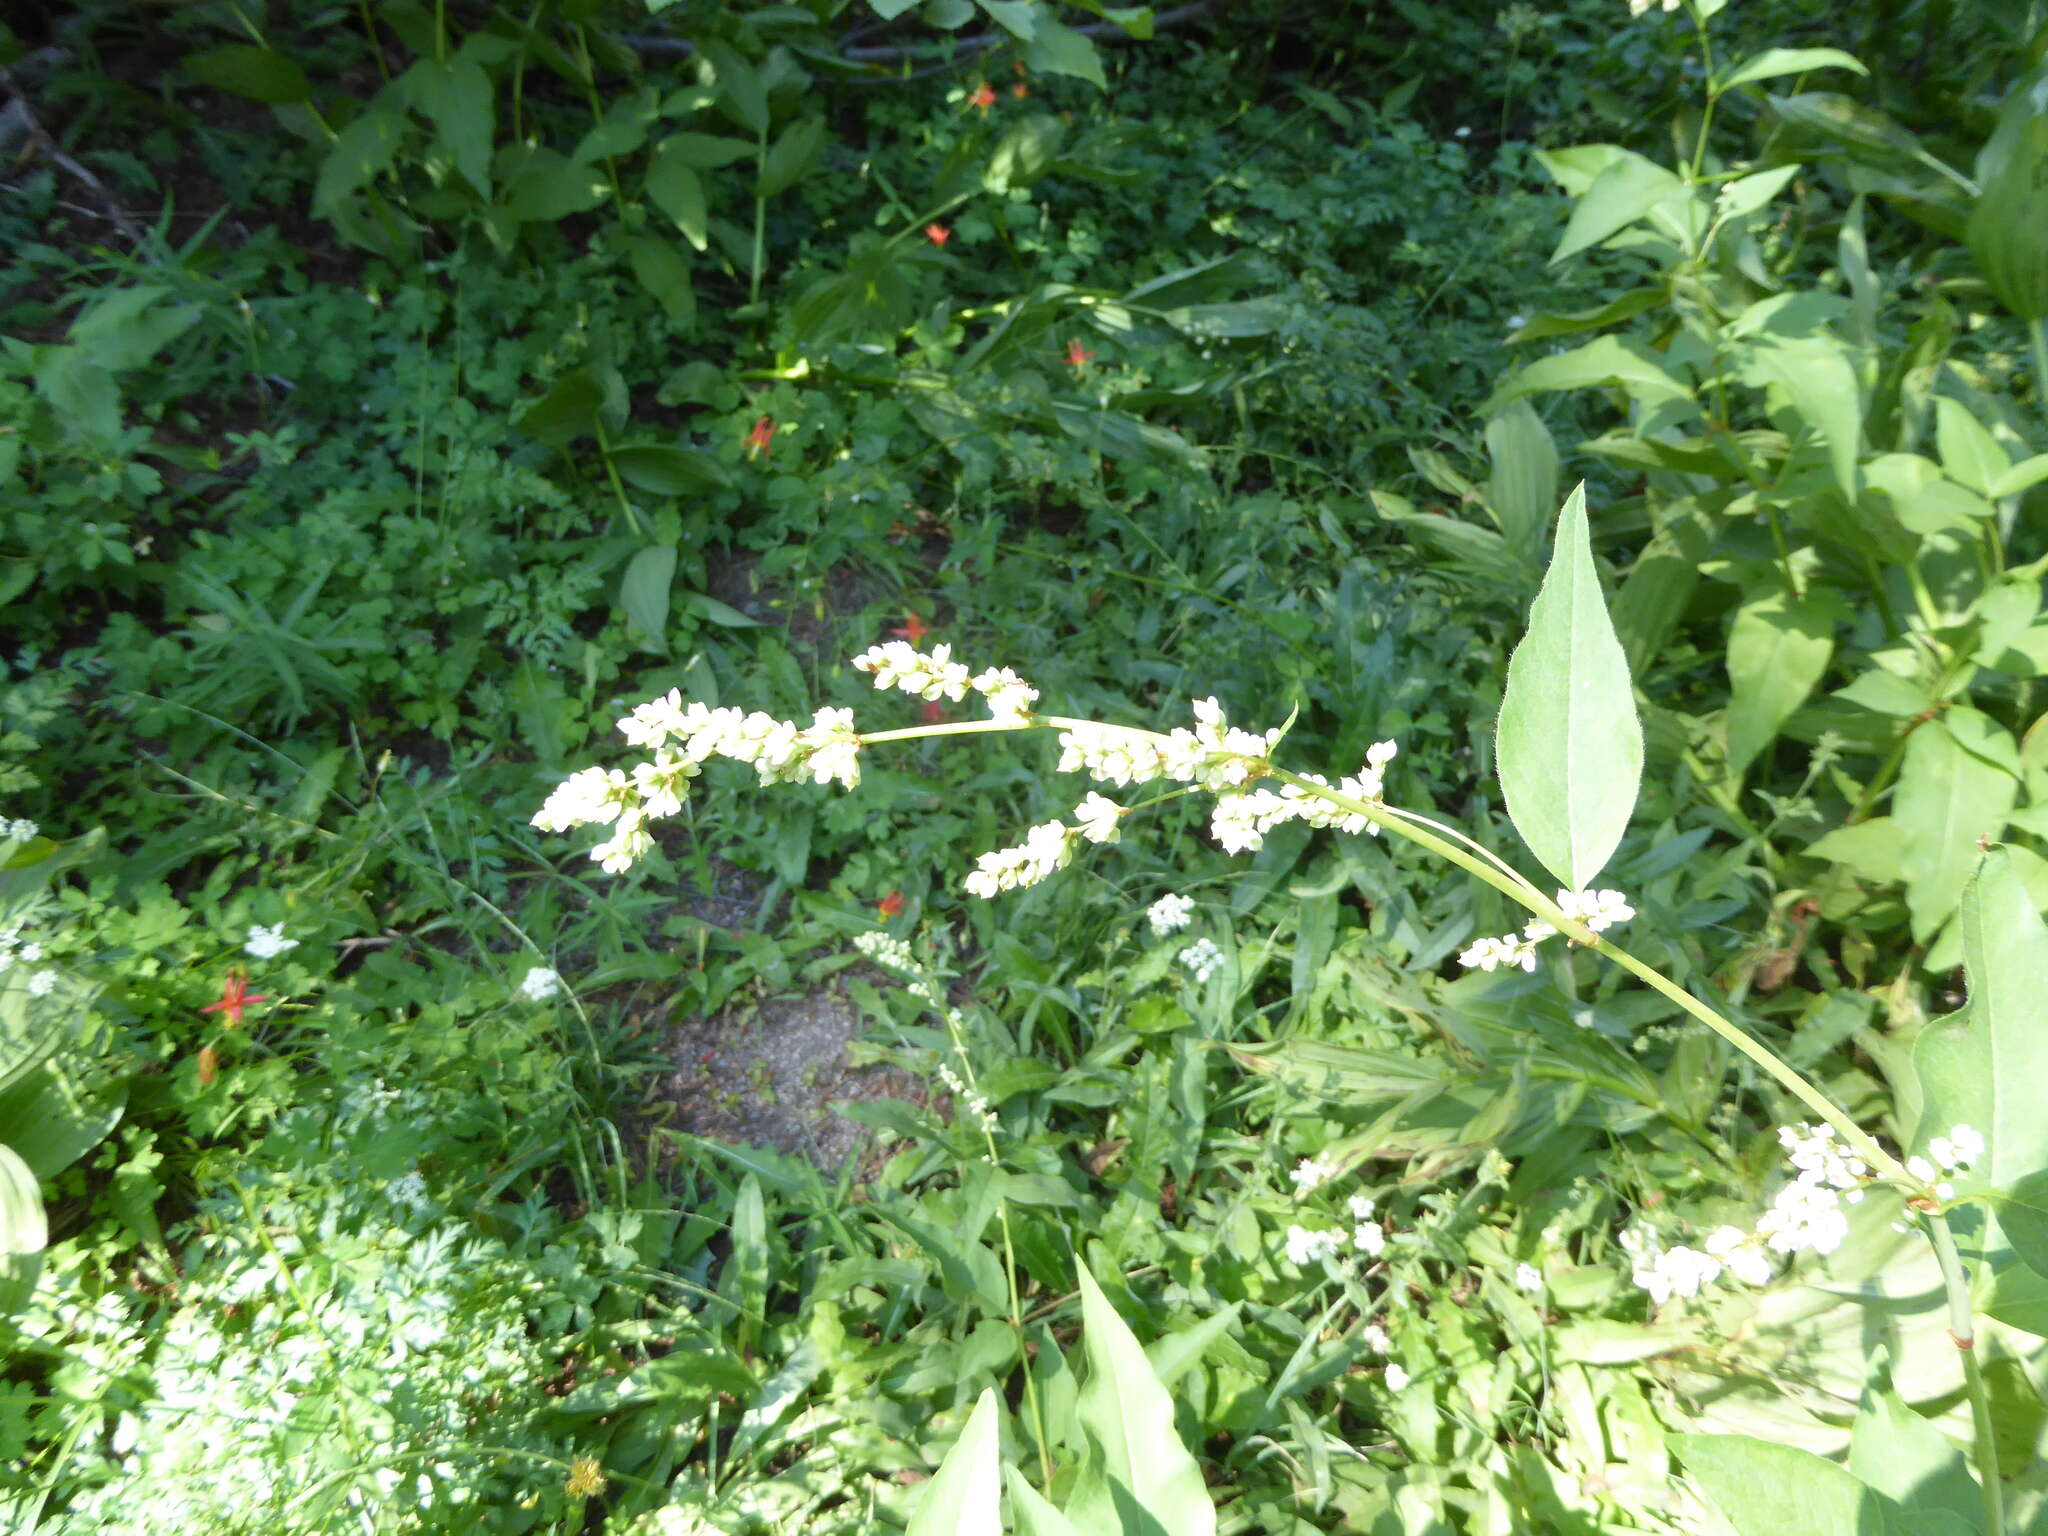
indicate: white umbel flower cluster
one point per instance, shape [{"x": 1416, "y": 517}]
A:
[
  {"x": 1598, "y": 910},
  {"x": 885, "y": 949},
  {"x": 1242, "y": 820},
  {"x": 268, "y": 943},
  {"x": 1311, "y": 1174},
  {"x": 18, "y": 830},
  {"x": 541, "y": 983},
  {"x": 1169, "y": 914},
  {"x": 1202, "y": 959},
  {"x": 901, "y": 665},
  {"x": 1215, "y": 755}
]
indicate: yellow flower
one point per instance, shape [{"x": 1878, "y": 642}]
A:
[{"x": 586, "y": 1478}]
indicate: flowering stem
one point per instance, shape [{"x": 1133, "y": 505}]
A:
[
  {"x": 1962, "y": 1330},
  {"x": 1521, "y": 891}
]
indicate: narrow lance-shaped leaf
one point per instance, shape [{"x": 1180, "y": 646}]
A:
[
  {"x": 1570, "y": 746},
  {"x": 964, "y": 1497},
  {"x": 1140, "y": 1460},
  {"x": 2005, "y": 956}
]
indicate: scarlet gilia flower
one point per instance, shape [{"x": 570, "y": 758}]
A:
[
  {"x": 914, "y": 629},
  {"x": 234, "y": 997},
  {"x": 983, "y": 97},
  {"x": 762, "y": 437},
  {"x": 890, "y": 905},
  {"x": 938, "y": 234},
  {"x": 1078, "y": 356}
]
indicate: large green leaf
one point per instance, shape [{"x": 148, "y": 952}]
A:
[
  {"x": 1625, "y": 191},
  {"x": 2005, "y": 230},
  {"x": 964, "y": 1497},
  {"x": 1140, "y": 1468},
  {"x": 644, "y": 594},
  {"x": 1523, "y": 487},
  {"x": 1948, "y": 800},
  {"x": 1774, "y": 62},
  {"x": 1815, "y": 375},
  {"x": 1767, "y": 1489},
  {"x": 1604, "y": 360},
  {"x": 794, "y": 152},
  {"x": 456, "y": 97},
  {"x": 1570, "y": 747},
  {"x": 359, "y": 154},
  {"x": 1902, "y": 1456},
  {"x": 674, "y": 188},
  {"x": 257, "y": 73},
  {"x": 1034, "y": 1513},
  {"x": 1778, "y": 649},
  {"x": 23, "y": 1231}
]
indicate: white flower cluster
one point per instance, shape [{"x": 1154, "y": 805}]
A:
[
  {"x": 683, "y": 737},
  {"x": 13, "y": 947},
  {"x": 885, "y": 949},
  {"x": 1242, "y": 820},
  {"x": 1311, "y": 1173},
  {"x": 1528, "y": 1278},
  {"x": 983, "y": 1112},
  {"x": 1806, "y": 1216},
  {"x": 19, "y": 830},
  {"x": 542, "y": 982},
  {"x": 899, "y": 664},
  {"x": 1215, "y": 755},
  {"x": 1598, "y": 910},
  {"x": 1638, "y": 7},
  {"x": 1169, "y": 914},
  {"x": 1046, "y": 849},
  {"x": 1203, "y": 959},
  {"x": 268, "y": 943},
  {"x": 1951, "y": 1153},
  {"x": 1311, "y": 1245}
]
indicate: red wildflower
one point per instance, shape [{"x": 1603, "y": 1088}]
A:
[
  {"x": 891, "y": 904},
  {"x": 938, "y": 234},
  {"x": 234, "y": 997},
  {"x": 983, "y": 97},
  {"x": 1077, "y": 355},
  {"x": 934, "y": 713},
  {"x": 914, "y": 629},
  {"x": 1019, "y": 91},
  {"x": 1017, "y": 65},
  {"x": 763, "y": 435}
]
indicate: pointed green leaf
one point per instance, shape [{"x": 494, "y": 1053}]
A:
[
  {"x": 964, "y": 1497},
  {"x": 256, "y": 73},
  {"x": 23, "y": 1231},
  {"x": 2005, "y": 956},
  {"x": 1766, "y": 1489},
  {"x": 1034, "y": 1514},
  {"x": 644, "y": 594},
  {"x": 1969, "y": 453},
  {"x": 1774, "y": 62},
  {"x": 1129, "y": 1418},
  {"x": 1625, "y": 191},
  {"x": 1778, "y": 649},
  {"x": 1570, "y": 746},
  {"x": 1948, "y": 799},
  {"x": 674, "y": 187},
  {"x": 1902, "y": 1456},
  {"x": 1523, "y": 487},
  {"x": 456, "y": 97}
]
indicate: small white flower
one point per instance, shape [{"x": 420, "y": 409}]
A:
[
  {"x": 1097, "y": 816},
  {"x": 1374, "y": 1338},
  {"x": 1678, "y": 1271},
  {"x": 1498, "y": 954},
  {"x": 29, "y": 954},
  {"x": 1169, "y": 914},
  {"x": 898, "y": 664},
  {"x": 1598, "y": 910},
  {"x": 1743, "y": 1254},
  {"x": 1305, "y": 1247},
  {"x": 590, "y": 795},
  {"x": 1311, "y": 1173},
  {"x": 1921, "y": 1169},
  {"x": 42, "y": 984},
  {"x": 1009, "y": 696},
  {"x": 1202, "y": 958},
  {"x": 1360, "y": 1206},
  {"x": 1805, "y": 1217},
  {"x": 1370, "y": 1238},
  {"x": 20, "y": 830},
  {"x": 1397, "y": 1379},
  {"x": 268, "y": 943},
  {"x": 1528, "y": 1278},
  {"x": 541, "y": 983},
  {"x": 1960, "y": 1148}
]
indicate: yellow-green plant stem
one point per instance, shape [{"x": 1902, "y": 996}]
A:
[{"x": 1962, "y": 1331}]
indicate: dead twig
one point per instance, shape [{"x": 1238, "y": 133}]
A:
[{"x": 19, "y": 113}]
